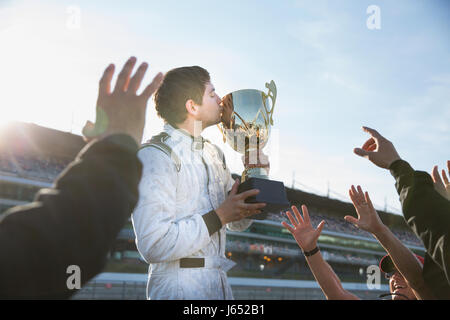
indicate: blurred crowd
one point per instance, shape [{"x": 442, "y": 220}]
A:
[
  {"x": 283, "y": 251},
  {"x": 45, "y": 168},
  {"x": 341, "y": 226},
  {"x": 48, "y": 168}
]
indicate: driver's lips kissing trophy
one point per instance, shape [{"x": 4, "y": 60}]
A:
[{"x": 247, "y": 118}]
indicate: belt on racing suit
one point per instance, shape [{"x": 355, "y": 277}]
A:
[
  {"x": 207, "y": 262},
  {"x": 192, "y": 263}
]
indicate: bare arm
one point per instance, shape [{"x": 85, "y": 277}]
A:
[
  {"x": 306, "y": 237},
  {"x": 404, "y": 260},
  {"x": 328, "y": 281}
]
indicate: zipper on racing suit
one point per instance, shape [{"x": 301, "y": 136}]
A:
[{"x": 218, "y": 232}]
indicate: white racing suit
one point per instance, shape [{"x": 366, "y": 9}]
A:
[{"x": 173, "y": 219}]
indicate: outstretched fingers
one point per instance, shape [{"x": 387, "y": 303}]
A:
[
  {"x": 351, "y": 219},
  {"x": 354, "y": 195},
  {"x": 124, "y": 76},
  {"x": 362, "y": 153},
  {"x": 369, "y": 202},
  {"x": 152, "y": 87},
  {"x": 305, "y": 214},
  {"x": 439, "y": 185},
  {"x": 374, "y": 133},
  {"x": 287, "y": 226},
  {"x": 320, "y": 227},
  {"x": 435, "y": 175},
  {"x": 292, "y": 219},
  {"x": 135, "y": 81},
  {"x": 104, "y": 87},
  {"x": 360, "y": 195},
  {"x": 297, "y": 215},
  {"x": 370, "y": 145},
  {"x": 355, "y": 200},
  {"x": 444, "y": 177}
]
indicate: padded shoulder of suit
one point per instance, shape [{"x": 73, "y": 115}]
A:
[{"x": 164, "y": 148}]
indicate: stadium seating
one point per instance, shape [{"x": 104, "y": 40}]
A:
[{"x": 33, "y": 167}]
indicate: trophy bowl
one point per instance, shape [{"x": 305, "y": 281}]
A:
[{"x": 247, "y": 119}]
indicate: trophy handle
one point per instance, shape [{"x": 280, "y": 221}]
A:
[{"x": 272, "y": 94}]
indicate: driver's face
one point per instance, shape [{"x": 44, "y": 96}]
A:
[{"x": 210, "y": 111}]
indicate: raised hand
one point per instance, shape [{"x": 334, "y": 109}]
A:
[
  {"x": 368, "y": 218},
  {"x": 441, "y": 185},
  {"x": 234, "y": 208},
  {"x": 302, "y": 230},
  {"x": 378, "y": 150},
  {"x": 122, "y": 110}
]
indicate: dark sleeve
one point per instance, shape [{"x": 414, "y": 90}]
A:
[
  {"x": 74, "y": 223},
  {"x": 425, "y": 211},
  {"x": 212, "y": 222}
]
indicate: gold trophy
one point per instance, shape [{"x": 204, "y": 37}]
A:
[{"x": 246, "y": 122}]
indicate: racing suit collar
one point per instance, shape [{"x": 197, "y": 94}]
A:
[{"x": 184, "y": 136}]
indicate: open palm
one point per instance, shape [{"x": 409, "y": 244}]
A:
[
  {"x": 302, "y": 230},
  {"x": 441, "y": 185},
  {"x": 122, "y": 110},
  {"x": 368, "y": 218}
]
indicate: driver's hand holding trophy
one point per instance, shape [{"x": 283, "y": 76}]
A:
[{"x": 246, "y": 121}]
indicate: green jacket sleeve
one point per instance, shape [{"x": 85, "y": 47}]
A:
[
  {"x": 426, "y": 212},
  {"x": 74, "y": 223}
]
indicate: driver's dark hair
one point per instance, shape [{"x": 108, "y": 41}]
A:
[{"x": 178, "y": 86}]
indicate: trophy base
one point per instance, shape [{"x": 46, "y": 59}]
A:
[{"x": 271, "y": 192}]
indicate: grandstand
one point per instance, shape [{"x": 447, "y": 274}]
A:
[
  {"x": 270, "y": 265},
  {"x": 31, "y": 157}
]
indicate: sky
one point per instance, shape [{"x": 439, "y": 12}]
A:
[{"x": 337, "y": 66}]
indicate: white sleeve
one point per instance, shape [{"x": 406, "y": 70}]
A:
[
  {"x": 159, "y": 235},
  {"x": 240, "y": 225}
]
